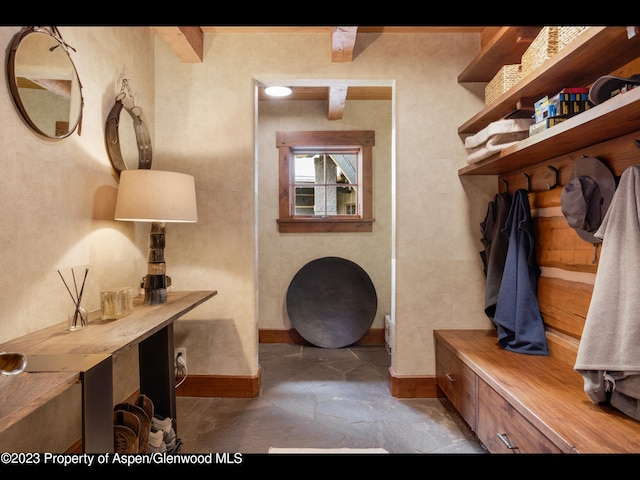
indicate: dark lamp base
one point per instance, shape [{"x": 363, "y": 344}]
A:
[
  {"x": 155, "y": 282},
  {"x": 155, "y": 296},
  {"x": 155, "y": 288}
]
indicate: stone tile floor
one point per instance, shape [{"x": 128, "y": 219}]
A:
[{"x": 323, "y": 398}]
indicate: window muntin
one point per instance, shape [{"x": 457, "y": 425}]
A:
[{"x": 325, "y": 183}]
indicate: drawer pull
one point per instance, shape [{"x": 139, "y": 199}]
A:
[
  {"x": 505, "y": 440},
  {"x": 450, "y": 377}
]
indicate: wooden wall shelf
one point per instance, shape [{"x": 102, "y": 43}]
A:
[
  {"x": 595, "y": 52},
  {"x": 505, "y": 47},
  {"x": 611, "y": 119}
]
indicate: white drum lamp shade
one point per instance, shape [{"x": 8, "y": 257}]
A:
[{"x": 157, "y": 197}]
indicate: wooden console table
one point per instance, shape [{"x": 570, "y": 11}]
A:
[
  {"x": 64, "y": 357},
  {"x": 22, "y": 394}
]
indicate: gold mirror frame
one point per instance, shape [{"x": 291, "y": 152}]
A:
[{"x": 44, "y": 82}]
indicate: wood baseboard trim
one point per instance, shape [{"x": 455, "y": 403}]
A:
[
  {"x": 220, "y": 386},
  {"x": 249, "y": 387},
  {"x": 375, "y": 336},
  {"x": 413, "y": 387},
  {"x": 76, "y": 448}
]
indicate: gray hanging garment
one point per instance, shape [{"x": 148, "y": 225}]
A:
[
  {"x": 608, "y": 355},
  {"x": 495, "y": 244}
]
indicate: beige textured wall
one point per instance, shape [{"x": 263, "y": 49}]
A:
[
  {"x": 58, "y": 199},
  {"x": 58, "y": 196},
  {"x": 280, "y": 256},
  {"x": 206, "y": 124}
]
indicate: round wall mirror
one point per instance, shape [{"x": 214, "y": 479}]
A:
[
  {"x": 44, "y": 83},
  {"x": 127, "y": 138}
]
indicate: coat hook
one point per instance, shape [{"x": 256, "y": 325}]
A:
[
  {"x": 506, "y": 185},
  {"x": 555, "y": 183},
  {"x": 527, "y": 177}
]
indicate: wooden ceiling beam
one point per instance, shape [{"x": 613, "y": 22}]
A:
[
  {"x": 337, "y": 100},
  {"x": 186, "y": 42},
  {"x": 322, "y": 93},
  {"x": 343, "y": 41}
]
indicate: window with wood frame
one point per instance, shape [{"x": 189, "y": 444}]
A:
[{"x": 326, "y": 181}]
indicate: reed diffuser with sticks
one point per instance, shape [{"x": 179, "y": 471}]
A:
[{"x": 78, "y": 318}]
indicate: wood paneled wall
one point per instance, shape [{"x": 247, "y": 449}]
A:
[{"x": 567, "y": 263}]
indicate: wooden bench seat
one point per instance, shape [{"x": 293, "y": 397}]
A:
[{"x": 526, "y": 403}]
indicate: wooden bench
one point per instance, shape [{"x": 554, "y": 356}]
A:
[{"x": 526, "y": 403}]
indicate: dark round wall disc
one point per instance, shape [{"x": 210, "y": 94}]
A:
[{"x": 331, "y": 302}]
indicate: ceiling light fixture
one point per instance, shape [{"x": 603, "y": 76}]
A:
[{"x": 278, "y": 91}]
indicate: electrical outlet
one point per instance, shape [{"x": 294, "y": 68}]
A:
[{"x": 183, "y": 353}]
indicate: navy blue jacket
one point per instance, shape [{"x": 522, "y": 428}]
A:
[{"x": 518, "y": 318}]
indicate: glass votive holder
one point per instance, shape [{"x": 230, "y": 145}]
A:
[
  {"x": 115, "y": 304},
  {"x": 78, "y": 319}
]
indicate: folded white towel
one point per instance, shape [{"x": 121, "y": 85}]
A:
[
  {"x": 510, "y": 125},
  {"x": 495, "y": 144}
]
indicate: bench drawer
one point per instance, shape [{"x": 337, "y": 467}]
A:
[
  {"x": 457, "y": 381},
  {"x": 502, "y": 429}
]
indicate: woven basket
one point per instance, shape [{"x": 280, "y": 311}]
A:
[
  {"x": 567, "y": 34},
  {"x": 506, "y": 78},
  {"x": 543, "y": 47}
]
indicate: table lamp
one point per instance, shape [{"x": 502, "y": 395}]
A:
[{"x": 158, "y": 197}]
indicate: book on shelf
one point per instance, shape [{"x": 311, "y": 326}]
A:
[
  {"x": 580, "y": 103},
  {"x": 558, "y": 107},
  {"x": 541, "y": 109},
  {"x": 545, "y": 124},
  {"x": 575, "y": 90},
  {"x": 564, "y": 104}
]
